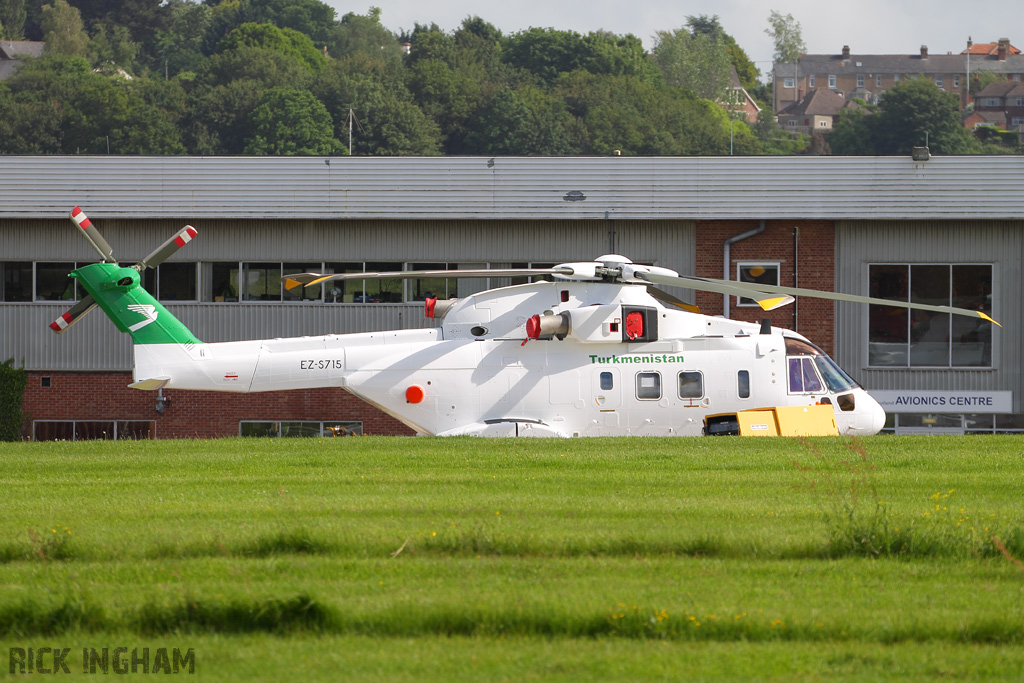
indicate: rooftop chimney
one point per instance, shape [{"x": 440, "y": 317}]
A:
[
  {"x": 924, "y": 52},
  {"x": 846, "y": 51},
  {"x": 1003, "y": 49}
]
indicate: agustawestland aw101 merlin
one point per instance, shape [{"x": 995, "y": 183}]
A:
[{"x": 595, "y": 351}]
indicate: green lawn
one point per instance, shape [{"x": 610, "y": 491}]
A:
[{"x": 886, "y": 558}]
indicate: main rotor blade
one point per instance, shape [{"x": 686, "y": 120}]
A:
[
  {"x": 765, "y": 300},
  {"x": 165, "y": 250},
  {"x": 311, "y": 279},
  {"x": 666, "y": 298},
  {"x": 837, "y": 296},
  {"x": 73, "y": 315},
  {"x": 96, "y": 240}
]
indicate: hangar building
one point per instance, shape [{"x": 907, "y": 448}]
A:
[{"x": 946, "y": 230}]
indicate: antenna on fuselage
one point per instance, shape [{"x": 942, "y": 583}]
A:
[{"x": 766, "y": 326}]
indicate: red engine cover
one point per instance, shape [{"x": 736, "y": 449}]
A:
[
  {"x": 634, "y": 325},
  {"x": 533, "y": 327}
]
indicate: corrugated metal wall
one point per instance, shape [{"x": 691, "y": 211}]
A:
[
  {"x": 94, "y": 344},
  {"x": 999, "y": 243},
  {"x": 669, "y": 243}
]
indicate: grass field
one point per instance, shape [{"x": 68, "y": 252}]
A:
[{"x": 416, "y": 559}]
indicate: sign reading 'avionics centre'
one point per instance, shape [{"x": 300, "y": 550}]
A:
[{"x": 900, "y": 401}]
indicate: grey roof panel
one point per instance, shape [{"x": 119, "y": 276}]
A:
[{"x": 542, "y": 188}]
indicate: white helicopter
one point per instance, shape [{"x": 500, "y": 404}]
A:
[{"x": 596, "y": 351}]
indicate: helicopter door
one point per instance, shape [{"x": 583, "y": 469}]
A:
[{"x": 606, "y": 389}]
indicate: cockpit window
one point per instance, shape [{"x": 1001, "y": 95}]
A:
[
  {"x": 835, "y": 378},
  {"x": 802, "y": 377},
  {"x": 798, "y": 347}
]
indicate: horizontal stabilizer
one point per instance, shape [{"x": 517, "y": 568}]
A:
[{"x": 151, "y": 384}]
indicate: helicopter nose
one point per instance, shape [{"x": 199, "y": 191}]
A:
[{"x": 874, "y": 415}]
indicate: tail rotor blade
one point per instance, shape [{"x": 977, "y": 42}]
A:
[
  {"x": 165, "y": 250},
  {"x": 64, "y": 322},
  {"x": 101, "y": 246}
]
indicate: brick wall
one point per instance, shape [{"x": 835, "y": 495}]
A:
[
  {"x": 190, "y": 414},
  {"x": 813, "y": 318}
]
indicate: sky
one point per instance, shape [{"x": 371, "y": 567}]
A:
[{"x": 868, "y": 26}]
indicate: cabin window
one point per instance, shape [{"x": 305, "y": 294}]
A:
[
  {"x": 691, "y": 385},
  {"x": 743, "y": 383},
  {"x": 901, "y": 338},
  {"x": 607, "y": 381},
  {"x": 757, "y": 272},
  {"x": 648, "y": 386}
]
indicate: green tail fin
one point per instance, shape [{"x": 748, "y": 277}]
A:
[{"x": 134, "y": 310}]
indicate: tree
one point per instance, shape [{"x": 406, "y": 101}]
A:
[
  {"x": 784, "y": 31},
  {"x": 854, "y": 133},
  {"x": 313, "y": 18},
  {"x": 916, "y": 113},
  {"x": 746, "y": 70},
  {"x": 12, "y": 19},
  {"x": 635, "y": 116},
  {"x": 913, "y": 113},
  {"x": 269, "y": 68},
  {"x": 357, "y": 34},
  {"x": 227, "y": 89},
  {"x": 179, "y": 46},
  {"x": 63, "y": 30},
  {"x": 142, "y": 18},
  {"x": 310, "y": 17},
  {"x": 286, "y": 41},
  {"x": 12, "y": 393},
  {"x": 508, "y": 125},
  {"x": 447, "y": 81},
  {"x": 547, "y": 53},
  {"x": 58, "y": 105},
  {"x": 698, "y": 61},
  {"x": 389, "y": 122},
  {"x": 287, "y": 121},
  {"x": 113, "y": 48}
]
